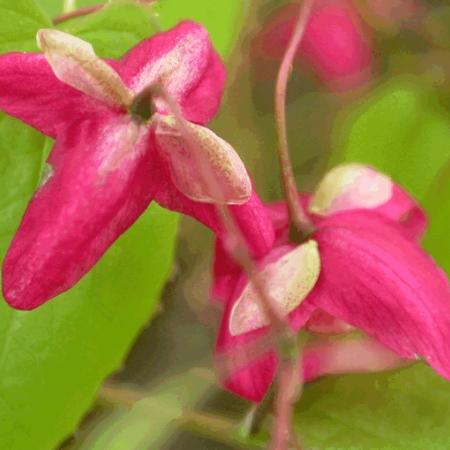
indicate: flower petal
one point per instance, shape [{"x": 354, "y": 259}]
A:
[
  {"x": 247, "y": 363},
  {"x": 321, "y": 322},
  {"x": 75, "y": 63},
  {"x": 350, "y": 186},
  {"x": 289, "y": 279},
  {"x": 403, "y": 209},
  {"x": 356, "y": 186},
  {"x": 377, "y": 279},
  {"x": 214, "y": 159},
  {"x": 99, "y": 187},
  {"x": 30, "y": 91},
  {"x": 183, "y": 61}
]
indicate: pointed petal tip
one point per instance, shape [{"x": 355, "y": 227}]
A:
[
  {"x": 289, "y": 280},
  {"x": 351, "y": 186},
  {"x": 212, "y": 172}
]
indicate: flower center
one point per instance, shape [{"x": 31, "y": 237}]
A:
[{"x": 142, "y": 107}]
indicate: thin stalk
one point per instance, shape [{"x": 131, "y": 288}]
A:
[
  {"x": 80, "y": 12},
  {"x": 297, "y": 217},
  {"x": 239, "y": 251},
  {"x": 286, "y": 340}
]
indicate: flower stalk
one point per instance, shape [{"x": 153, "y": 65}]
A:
[{"x": 301, "y": 226}]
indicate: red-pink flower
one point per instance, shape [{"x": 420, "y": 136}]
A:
[
  {"x": 372, "y": 276},
  {"x": 117, "y": 148},
  {"x": 335, "y": 43}
]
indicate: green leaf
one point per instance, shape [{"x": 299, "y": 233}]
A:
[
  {"x": 55, "y": 7},
  {"x": 403, "y": 410},
  {"x": 114, "y": 29},
  {"x": 438, "y": 206},
  {"x": 53, "y": 359},
  {"x": 19, "y": 21},
  {"x": 151, "y": 420},
  {"x": 222, "y": 19},
  {"x": 400, "y": 130}
]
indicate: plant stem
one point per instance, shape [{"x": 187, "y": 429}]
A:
[
  {"x": 285, "y": 338},
  {"x": 297, "y": 216},
  {"x": 77, "y": 13},
  {"x": 86, "y": 10}
]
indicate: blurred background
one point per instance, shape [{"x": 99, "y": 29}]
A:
[{"x": 371, "y": 83}]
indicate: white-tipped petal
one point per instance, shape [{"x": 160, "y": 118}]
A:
[
  {"x": 288, "y": 280},
  {"x": 75, "y": 63},
  {"x": 351, "y": 186},
  {"x": 214, "y": 160}
]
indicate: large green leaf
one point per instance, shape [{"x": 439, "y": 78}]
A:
[
  {"x": 438, "y": 205},
  {"x": 403, "y": 410},
  {"x": 19, "y": 21},
  {"x": 53, "y": 359},
  {"x": 400, "y": 130},
  {"x": 222, "y": 19}
]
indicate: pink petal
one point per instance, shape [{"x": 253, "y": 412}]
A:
[
  {"x": 183, "y": 61},
  {"x": 243, "y": 370},
  {"x": 288, "y": 281},
  {"x": 101, "y": 184},
  {"x": 350, "y": 186},
  {"x": 355, "y": 186},
  {"x": 347, "y": 355},
  {"x": 225, "y": 273},
  {"x": 206, "y": 169},
  {"x": 336, "y": 45},
  {"x": 321, "y": 322},
  {"x": 31, "y": 92},
  {"x": 335, "y": 42},
  {"x": 379, "y": 280},
  {"x": 403, "y": 209},
  {"x": 250, "y": 217},
  {"x": 75, "y": 63}
]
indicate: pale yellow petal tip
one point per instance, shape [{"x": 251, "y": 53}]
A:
[
  {"x": 351, "y": 186},
  {"x": 288, "y": 281},
  {"x": 204, "y": 167}
]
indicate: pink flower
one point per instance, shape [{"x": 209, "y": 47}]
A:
[
  {"x": 117, "y": 148},
  {"x": 335, "y": 43},
  {"x": 372, "y": 276}
]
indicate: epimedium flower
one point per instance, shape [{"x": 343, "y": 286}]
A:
[
  {"x": 336, "y": 43},
  {"x": 117, "y": 148},
  {"x": 362, "y": 268}
]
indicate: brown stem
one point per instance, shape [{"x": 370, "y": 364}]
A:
[
  {"x": 285, "y": 338},
  {"x": 80, "y": 12},
  {"x": 86, "y": 10},
  {"x": 297, "y": 216}
]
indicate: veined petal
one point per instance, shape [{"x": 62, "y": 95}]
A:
[
  {"x": 80, "y": 210},
  {"x": 75, "y": 63},
  {"x": 30, "y": 91},
  {"x": 247, "y": 363},
  {"x": 184, "y": 63},
  {"x": 289, "y": 280},
  {"x": 351, "y": 186},
  {"x": 212, "y": 159},
  {"x": 379, "y": 280}
]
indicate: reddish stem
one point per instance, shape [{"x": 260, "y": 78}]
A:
[
  {"x": 80, "y": 12},
  {"x": 297, "y": 216}
]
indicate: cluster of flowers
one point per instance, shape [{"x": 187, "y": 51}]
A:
[{"x": 119, "y": 146}]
